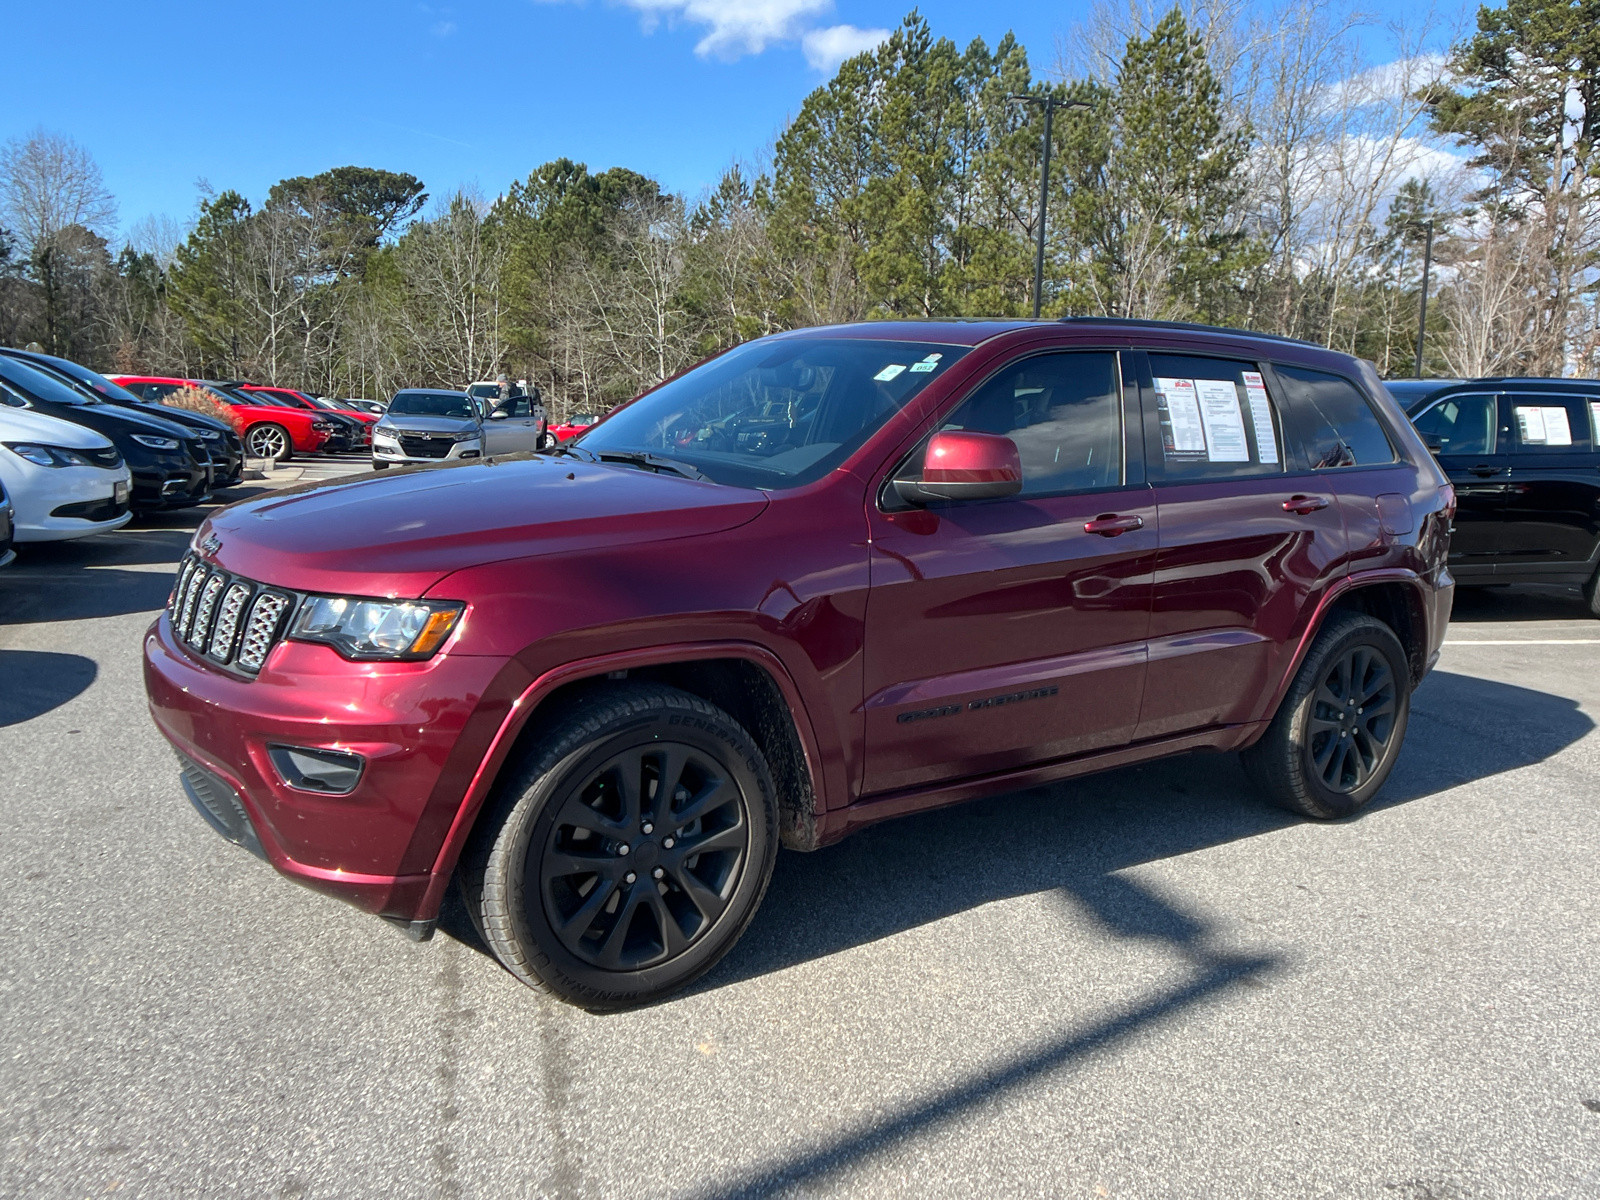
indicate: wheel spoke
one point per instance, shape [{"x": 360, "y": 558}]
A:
[
  {"x": 572, "y": 929},
  {"x": 579, "y": 815},
  {"x": 716, "y": 793},
  {"x": 703, "y": 898},
  {"x": 559, "y": 864},
  {"x": 610, "y": 951},
  {"x": 670, "y": 764},
  {"x": 672, "y": 935},
  {"x": 731, "y": 838}
]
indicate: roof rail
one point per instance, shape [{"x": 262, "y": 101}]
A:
[{"x": 1143, "y": 323}]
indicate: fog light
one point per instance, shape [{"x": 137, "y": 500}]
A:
[{"x": 334, "y": 772}]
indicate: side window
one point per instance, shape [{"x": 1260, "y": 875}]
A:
[
  {"x": 1217, "y": 421},
  {"x": 1063, "y": 411},
  {"x": 1548, "y": 423},
  {"x": 1335, "y": 420},
  {"x": 1463, "y": 424},
  {"x": 158, "y": 392},
  {"x": 517, "y": 406}
]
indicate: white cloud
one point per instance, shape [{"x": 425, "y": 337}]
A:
[
  {"x": 736, "y": 27},
  {"x": 826, "y": 48},
  {"x": 1389, "y": 81},
  {"x": 443, "y": 29}
]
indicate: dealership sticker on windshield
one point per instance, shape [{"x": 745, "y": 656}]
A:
[
  {"x": 923, "y": 366},
  {"x": 889, "y": 372}
]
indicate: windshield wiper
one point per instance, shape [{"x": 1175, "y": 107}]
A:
[{"x": 638, "y": 458}]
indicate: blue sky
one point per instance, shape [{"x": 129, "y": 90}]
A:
[{"x": 172, "y": 91}]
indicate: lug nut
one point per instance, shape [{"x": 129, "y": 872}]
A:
[
  {"x": 622, "y": 849},
  {"x": 649, "y": 828},
  {"x": 667, "y": 844},
  {"x": 658, "y": 873},
  {"x": 629, "y": 877}
]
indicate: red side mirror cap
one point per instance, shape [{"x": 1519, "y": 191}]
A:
[{"x": 961, "y": 465}]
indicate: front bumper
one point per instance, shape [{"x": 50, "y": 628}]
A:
[
  {"x": 423, "y": 729},
  {"x": 390, "y": 452}
]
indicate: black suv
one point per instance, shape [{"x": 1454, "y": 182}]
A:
[{"x": 1524, "y": 456}]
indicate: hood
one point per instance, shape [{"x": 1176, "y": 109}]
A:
[
  {"x": 407, "y": 424},
  {"x": 399, "y": 534},
  {"x": 178, "y": 416},
  {"x": 26, "y": 425},
  {"x": 113, "y": 419}
]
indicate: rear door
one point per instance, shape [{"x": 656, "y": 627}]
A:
[
  {"x": 1552, "y": 496},
  {"x": 1474, "y": 452},
  {"x": 1248, "y": 535}
]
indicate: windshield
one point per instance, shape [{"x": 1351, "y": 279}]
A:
[
  {"x": 90, "y": 379},
  {"x": 431, "y": 404},
  {"x": 38, "y": 385},
  {"x": 775, "y": 414},
  {"x": 479, "y": 391}
]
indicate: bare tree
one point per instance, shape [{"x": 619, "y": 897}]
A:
[{"x": 48, "y": 183}]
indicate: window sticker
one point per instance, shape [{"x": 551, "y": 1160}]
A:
[
  {"x": 889, "y": 372},
  {"x": 1184, "y": 434},
  {"x": 923, "y": 366},
  {"x": 1594, "y": 415},
  {"x": 1544, "y": 425},
  {"x": 1261, "y": 417},
  {"x": 932, "y": 357},
  {"x": 1224, "y": 423}
]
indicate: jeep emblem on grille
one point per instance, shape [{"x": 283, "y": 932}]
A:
[{"x": 210, "y": 544}]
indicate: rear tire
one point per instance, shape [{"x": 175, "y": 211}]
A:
[
  {"x": 1338, "y": 731},
  {"x": 626, "y": 852},
  {"x": 267, "y": 440}
]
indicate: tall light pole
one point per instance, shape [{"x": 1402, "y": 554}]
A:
[
  {"x": 1049, "y": 103},
  {"x": 1422, "y": 311}
]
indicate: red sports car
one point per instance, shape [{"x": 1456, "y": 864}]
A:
[
  {"x": 573, "y": 426},
  {"x": 268, "y": 431},
  {"x": 352, "y": 430}
]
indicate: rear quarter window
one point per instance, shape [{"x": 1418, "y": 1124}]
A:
[
  {"x": 1545, "y": 423},
  {"x": 1335, "y": 421}
]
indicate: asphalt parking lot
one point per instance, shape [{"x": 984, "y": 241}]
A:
[{"x": 1145, "y": 984}]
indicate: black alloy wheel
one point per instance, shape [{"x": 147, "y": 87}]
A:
[
  {"x": 1352, "y": 720},
  {"x": 627, "y": 851},
  {"x": 269, "y": 441},
  {"x": 643, "y": 856},
  {"x": 1339, "y": 729}
]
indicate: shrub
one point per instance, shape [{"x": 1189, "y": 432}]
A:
[{"x": 201, "y": 401}]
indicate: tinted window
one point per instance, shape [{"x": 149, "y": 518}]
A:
[
  {"x": 1336, "y": 422},
  {"x": 1548, "y": 423},
  {"x": 1463, "y": 424},
  {"x": 432, "y": 404},
  {"x": 1063, "y": 411},
  {"x": 775, "y": 414},
  {"x": 1217, "y": 421}
]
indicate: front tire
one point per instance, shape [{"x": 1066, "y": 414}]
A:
[
  {"x": 1338, "y": 731},
  {"x": 627, "y": 851}
]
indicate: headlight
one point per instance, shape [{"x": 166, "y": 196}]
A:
[
  {"x": 154, "y": 442},
  {"x": 367, "y": 629},
  {"x": 469, "y": 436},
  {"x": 210, "y": 435},
  {"x": 383, "y": 435},
  {"x": 48, "y": 456}
]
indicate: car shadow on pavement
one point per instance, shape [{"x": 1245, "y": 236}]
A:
[
  {"x": 1519, "y": 602},
  {"x": 1074, "y": 838},
  {"x": 33, "y": 682}
]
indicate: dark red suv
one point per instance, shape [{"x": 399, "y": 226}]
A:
[{"x": 828, "y": 577}]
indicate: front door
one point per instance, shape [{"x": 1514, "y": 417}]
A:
[
  {"x": 1552, "y": 497},
  {"x": 1007, "y": 632},
  {"x": 517, "y": 430},
  {"x": 1474, "y": 452},
  {"x": 1248, "y": 532}
]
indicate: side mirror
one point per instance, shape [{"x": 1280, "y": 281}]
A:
[
  {"x": 965, "y": 466},
  {"x": 498, "y": 414}
]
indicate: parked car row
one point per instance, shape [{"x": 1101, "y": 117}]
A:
[{"x": 277, "y": 423}]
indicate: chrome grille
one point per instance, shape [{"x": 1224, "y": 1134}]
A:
[
  {"x": 228, "y": 621},
  {"x": 231, "y": 620},
  {"x": 200, "y": 632},
  {"x": 262, "y": 630}
]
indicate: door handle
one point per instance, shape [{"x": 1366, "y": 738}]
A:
[
  {"x": 1483, "y": 470},
  {"x": 1304, "y": 504},
  {"x": 1110, "y": 524}
]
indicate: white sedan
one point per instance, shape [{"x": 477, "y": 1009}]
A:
[{"x": 64, "y": 481}]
